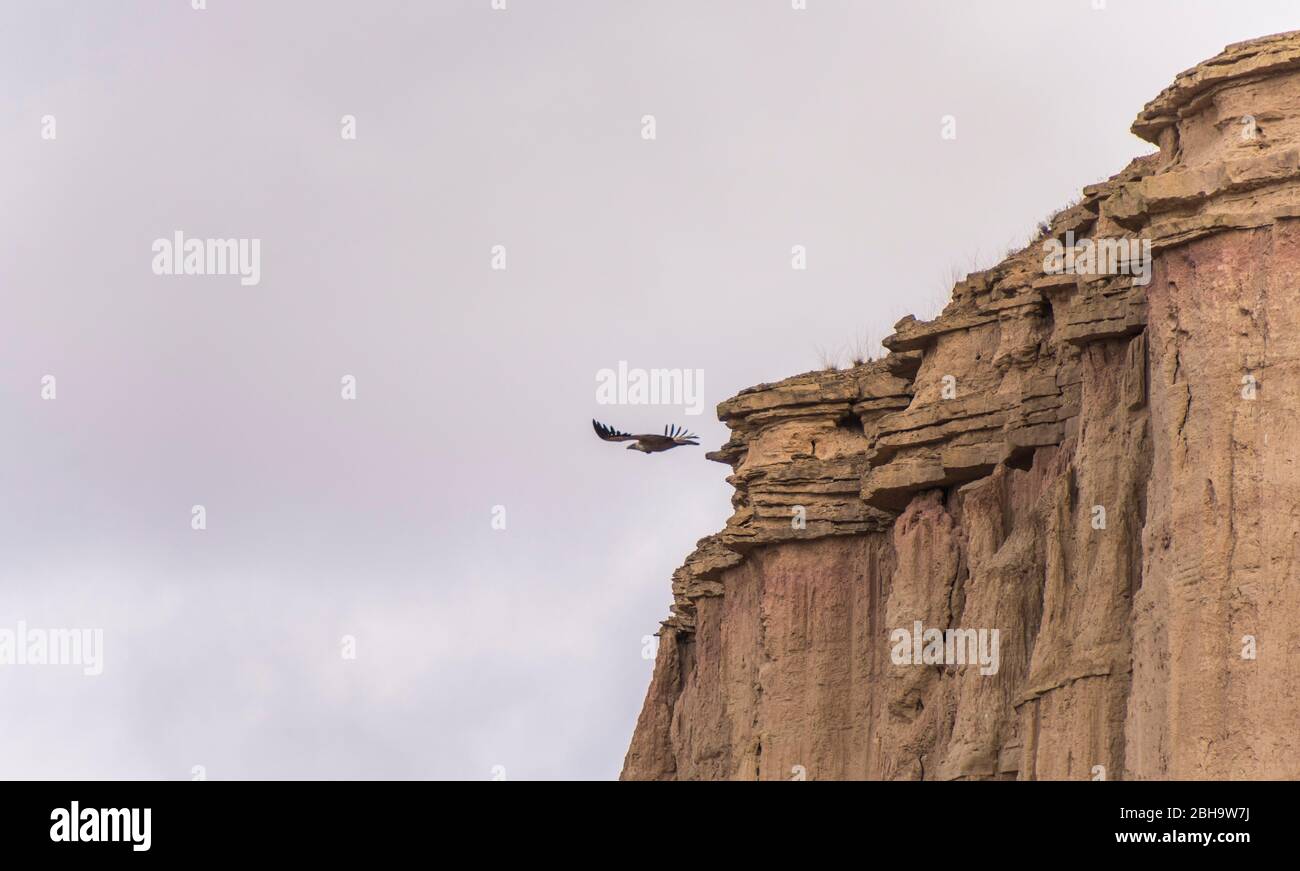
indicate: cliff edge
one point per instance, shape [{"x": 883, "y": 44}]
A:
[{"x": 1094, "y": 456}]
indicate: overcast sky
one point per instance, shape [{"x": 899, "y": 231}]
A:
[{"x": 372, "y": 518}]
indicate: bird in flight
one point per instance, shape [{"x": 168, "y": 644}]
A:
[{"x": 647, "y": 443}]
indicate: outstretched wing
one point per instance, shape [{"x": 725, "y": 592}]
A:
[
  {"x": 609, "y": 434},
  {"x": 679, "y": 436},
  {"x": 672, "y": 437}
]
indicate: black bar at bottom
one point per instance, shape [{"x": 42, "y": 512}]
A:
[{"x": 369, "y": 819}]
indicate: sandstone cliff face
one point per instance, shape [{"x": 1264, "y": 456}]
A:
[{"x": 1104, "y": 471}]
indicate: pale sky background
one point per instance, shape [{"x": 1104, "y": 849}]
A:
[{"x": 476, "y": 648}]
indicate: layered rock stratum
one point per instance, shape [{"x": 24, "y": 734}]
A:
[{"x": 1102, "y": 469}]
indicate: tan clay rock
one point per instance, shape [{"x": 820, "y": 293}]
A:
[{"x": 1104, "y": 468}]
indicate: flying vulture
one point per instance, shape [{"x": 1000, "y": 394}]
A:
[{"x": 648, "y": 443}]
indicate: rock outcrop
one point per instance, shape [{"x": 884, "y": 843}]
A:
[{"x": 1100, "y": 464}]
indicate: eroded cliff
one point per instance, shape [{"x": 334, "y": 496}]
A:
[{"x": 1101, "y": 466}]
